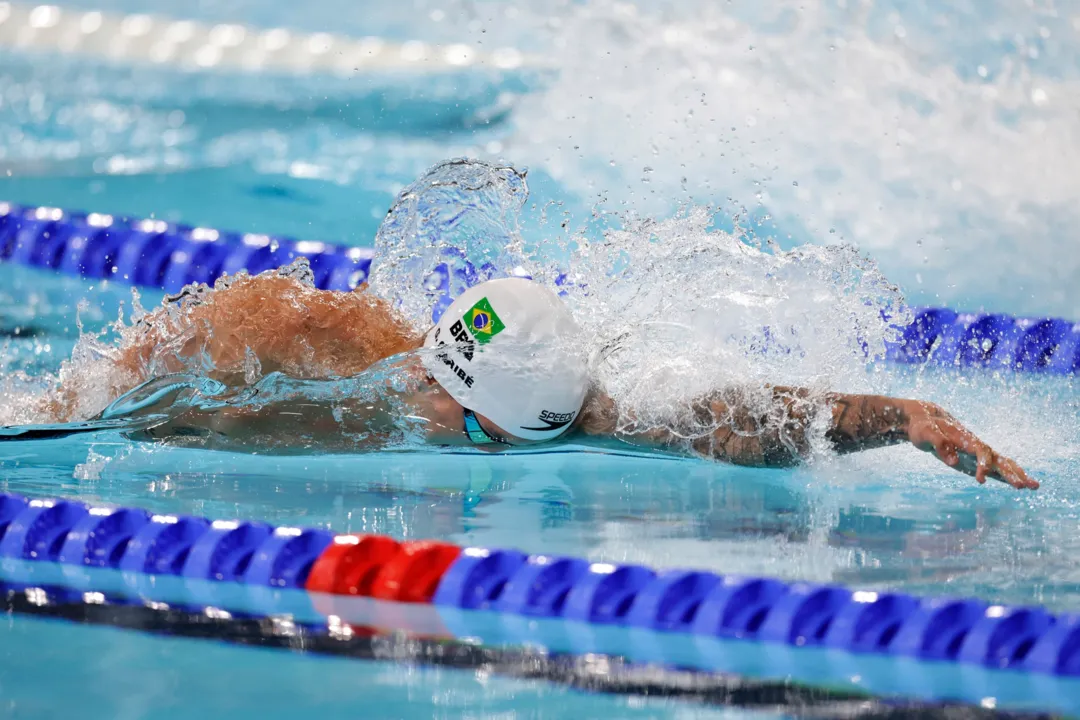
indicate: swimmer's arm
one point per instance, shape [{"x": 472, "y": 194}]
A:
[
  {"x": 282, "y": 427},
  {"x": 855, "y": 423},
  {"x": 862, "y": 422},
  {"x": 280, "y": 414}
]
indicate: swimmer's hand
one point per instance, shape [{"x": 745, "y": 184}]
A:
[
  {"x": 933, "y": 430},
  {"x": 857, "y": 423}
]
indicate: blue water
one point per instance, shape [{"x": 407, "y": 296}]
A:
[
  {"x": 969, "y": 205},
  {"x": 116, "y": 674}
]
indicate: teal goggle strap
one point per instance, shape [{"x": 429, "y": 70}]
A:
[{"x": 477, "y": 434}]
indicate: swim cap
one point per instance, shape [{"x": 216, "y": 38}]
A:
[{"x": 510, "y": 351}]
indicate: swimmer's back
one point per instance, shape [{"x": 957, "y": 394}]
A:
[
  {"x": 272, "y": 322},
  {"x": 294, "y": 328}
]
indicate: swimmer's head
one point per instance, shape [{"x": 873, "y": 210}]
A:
[{"x": 511, "y": 351}]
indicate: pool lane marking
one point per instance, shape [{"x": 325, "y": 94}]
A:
[
  {"x": 227, "y": 46},
  {"x": 595, "y": 673}
]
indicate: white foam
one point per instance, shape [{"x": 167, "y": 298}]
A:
[
  {"x": 849, "y": 121},
  {"x": 673, "y": 310}
]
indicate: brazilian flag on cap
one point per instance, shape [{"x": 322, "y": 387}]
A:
[{"x": 483, "y": 323}]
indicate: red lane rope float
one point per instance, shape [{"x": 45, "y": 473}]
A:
[
  {"x": 413, "y": 575},
  {"x": 379, "y": 567},
  {"x": 349, "y": 565}
]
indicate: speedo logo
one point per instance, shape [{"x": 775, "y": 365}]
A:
[{"x": 552, "y": 420}]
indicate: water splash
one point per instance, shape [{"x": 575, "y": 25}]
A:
[
  {"x": 948, "y": 155},
  {"x": 681, "y": 311},
  {"x": 454, "y": 227},
  {"x": 674, "y": 310},
  {"x": 940, "y": 138}
]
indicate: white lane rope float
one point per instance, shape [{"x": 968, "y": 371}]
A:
[{"x": 195, "y": 46}]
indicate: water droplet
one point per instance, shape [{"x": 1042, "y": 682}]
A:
[{"x": 433, "y": 281}]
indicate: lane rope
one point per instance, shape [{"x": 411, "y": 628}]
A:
[
  {"x": 761, "y": 609},
  {"x": 155, "y": 253},
  {"x": 594, "y": 672},
  {"x": 158, "y": 254},
  {"x": 947, "y": 338},
  {"x": 195, "y": 46}
]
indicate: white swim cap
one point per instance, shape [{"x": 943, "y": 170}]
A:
[{"x": 512, "y": 353}]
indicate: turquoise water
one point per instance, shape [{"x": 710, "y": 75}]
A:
[
  {"x": 121, "y": 674},
  {"x": 323, "y": 159}
]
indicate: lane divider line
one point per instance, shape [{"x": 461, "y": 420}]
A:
[
  {"x": 159, "y": 254},
  {"x": 195, "y": 46},
  {"x": 155, "y": 253},
  {"x": 703, "y": 604},
  {"x": 592, "y": 672}
]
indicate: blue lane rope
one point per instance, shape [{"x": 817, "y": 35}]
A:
[
  {"x": 169, "y": 256},
  {"x": 373, "y": 635},
  {"x": 702, "y": 604},
  {"x": 158, "y": 254},
  {"x": 944, "y": 337}
]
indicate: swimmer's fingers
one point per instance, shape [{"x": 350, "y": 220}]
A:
[
  {"x": 947, "y": 452},
  {"x": 985, "y": 460},
  {"x": 989, "y": 464},
  {"x": 960, "y": 449},
  {"x": 943, "y": 450},
  {"x": 975, "y": 449},
  {"x": 940, "y": 444},
  {"x": 1009, "y": 471}
]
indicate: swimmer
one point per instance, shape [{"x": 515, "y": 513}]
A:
[{"x": 461, "y": 389}]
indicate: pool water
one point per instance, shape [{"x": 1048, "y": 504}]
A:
[
  {"x": 120, "y": 674},
  {"x": 324, "y": 160},
  {"x": 852, "y": 521},
  {"x": 856, "y": 521}
]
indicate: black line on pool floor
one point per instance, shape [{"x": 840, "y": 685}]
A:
[{"x": 590, "y": 673}]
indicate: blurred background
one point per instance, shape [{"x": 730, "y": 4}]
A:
[{"x": 938, "y": 137}]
